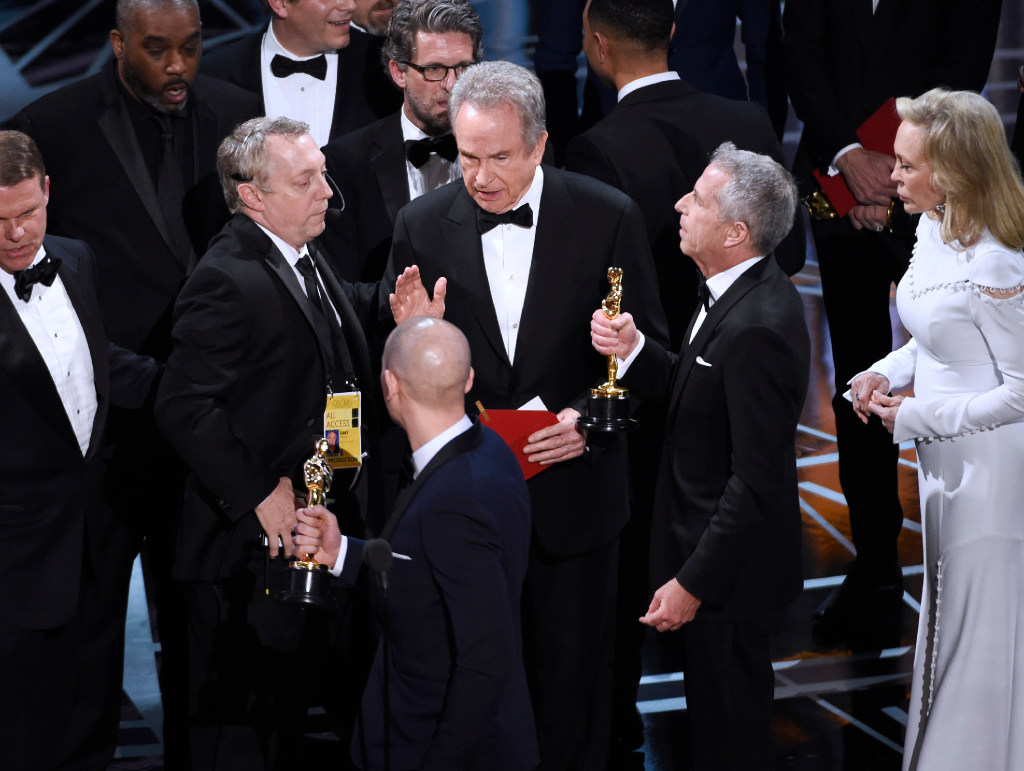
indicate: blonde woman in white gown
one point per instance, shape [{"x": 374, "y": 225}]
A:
[{"x": 962, "y": 301}]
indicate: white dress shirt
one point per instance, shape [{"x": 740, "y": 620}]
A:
[
  {"x": 435, "y": 172},
  {"x": 508, "y": 255},
  {"x": 299, "y": 96},
  {"x": 51, "y": 321}
]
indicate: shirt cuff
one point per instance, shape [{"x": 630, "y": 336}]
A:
[
  {"x": 624, "y": 363},
  {"x": 340, "y": 562},
  {"x": 833, "y": 170}
]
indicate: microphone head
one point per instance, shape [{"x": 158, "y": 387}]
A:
[
  {"x": 377, "y": 555},
  {"x": 332, "y": 214}
]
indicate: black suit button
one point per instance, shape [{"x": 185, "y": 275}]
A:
[{"x": 311, "y": 422}]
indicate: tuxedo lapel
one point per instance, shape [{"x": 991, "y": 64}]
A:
[
  {"x": 753, "y": 276},
  {"x": 463, "y": 443},
  {"x": 338, "y": 116},
  {"x": 28, "y": 372},
  {"x": 387, "y": 158},
  {"x": 116, "y": 126},
  {"x": 548, "y": 271},
  {"x": 863, "y": 18},
  {"x": 470, "y": 271}
]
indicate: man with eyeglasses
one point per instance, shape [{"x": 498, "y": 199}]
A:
[{"x": 383, "y": 166}]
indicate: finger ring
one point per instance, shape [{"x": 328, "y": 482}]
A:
[{"x": 878, "y": 228}]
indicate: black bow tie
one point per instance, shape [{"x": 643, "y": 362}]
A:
[
  {"x": 43, "y": 272},
  {"x": 282, "y": 66},
  {"x": 703, "y": 293},
  {"x": 523, "y": 217},
  {"x": 418, "y": 150}
]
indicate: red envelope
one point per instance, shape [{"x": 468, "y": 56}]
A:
[
  {"x": 877, "y": 134},
  {"x": 514, "y": 427}
]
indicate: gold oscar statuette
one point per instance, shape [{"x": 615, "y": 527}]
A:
[
  {"x": 309, "y": 580},
  {"x": 608, "y": 405}
]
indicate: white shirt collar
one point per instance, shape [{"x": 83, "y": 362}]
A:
[
  {"x": 409, "y": 129},
  {"x": 647, "y": 80},
  {"x": 533, "y": 195},
  {"x": 426, "y": 453},
  {"x": 720, "y": 282}
]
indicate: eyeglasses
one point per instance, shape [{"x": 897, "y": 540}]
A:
[{"x": 435, "y": 72}]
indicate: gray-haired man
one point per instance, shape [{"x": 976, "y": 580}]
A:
[
  {"x": 526, "y": 250},
  {"x": 263, "y": 335},
  {"x": 725, "y": 540}
]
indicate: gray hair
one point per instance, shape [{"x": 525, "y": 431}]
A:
[
  {"x": 124, "y": 14},
  {"x": 760, "y": 193},
  {"x": 495, "y": 84},
  {"x": 433, "y": 16},
  {"x": 243, "y": 155}
]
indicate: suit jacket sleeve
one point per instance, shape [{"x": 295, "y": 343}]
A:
[
  {"x": 210, "y": 338},
  {"x": 465, "y": 560},
  {"x": 763, "y": 402}
]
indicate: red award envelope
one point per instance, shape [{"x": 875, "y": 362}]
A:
[
  {"x": 514, "y": 427},
  {"x": 877, "y": 134}
]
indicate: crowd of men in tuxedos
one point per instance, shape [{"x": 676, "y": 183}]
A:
[{"x": 230, "y": 247}]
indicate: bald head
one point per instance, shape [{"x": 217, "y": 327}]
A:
[{"x": 430, "y": 359}]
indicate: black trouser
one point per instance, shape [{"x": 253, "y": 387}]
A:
[{"x": 858, "y": 269}]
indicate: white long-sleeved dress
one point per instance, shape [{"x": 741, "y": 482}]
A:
[{"x": 965, "y": 311}]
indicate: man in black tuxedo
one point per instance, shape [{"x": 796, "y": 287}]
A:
[
  {"x": 844, "y": 60},
  {"x": 725, "y": 544},
  {"x": 61, "y": 698},
  {"x": 310, "y": 65},
  {"x": 133, "y": 148},
  {"x": 262, "y": 332},
  {"x": 453, "y": 663},
  {"x": 652, "y": 145},
  {"x": 526, "y": 249},
  {"x": 383, "y": 166}
]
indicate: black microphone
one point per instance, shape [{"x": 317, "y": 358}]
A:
[
  {"x": 378, "y": 558},
  {"x": 334, "y": 212}
]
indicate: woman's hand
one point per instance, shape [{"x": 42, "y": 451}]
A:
[{"x": 886, "y": 407}]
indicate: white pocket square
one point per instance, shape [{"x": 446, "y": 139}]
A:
[{"x": 700, "y": 360}]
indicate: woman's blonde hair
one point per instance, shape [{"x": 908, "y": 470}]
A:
[{"x": 965, "y": 146}]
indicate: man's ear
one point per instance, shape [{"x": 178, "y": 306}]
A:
[
  {"x": 397, "y": 73},
  {"x": 389, "y": 384},
  {"x": 603, "y": 45},
  {"x": 737, "y": 234},
  {"x": 117, "y": 43},
  {"x": 279, "y": 8},
  {"x": 251, "y": 196},
  {"x": 469, "y": 381}
]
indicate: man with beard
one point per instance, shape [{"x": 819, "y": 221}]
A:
[
  {"x": 309, "y": 64},
  {"x": 134, "y": 148},
  {"x": 382, "y": 167}
]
